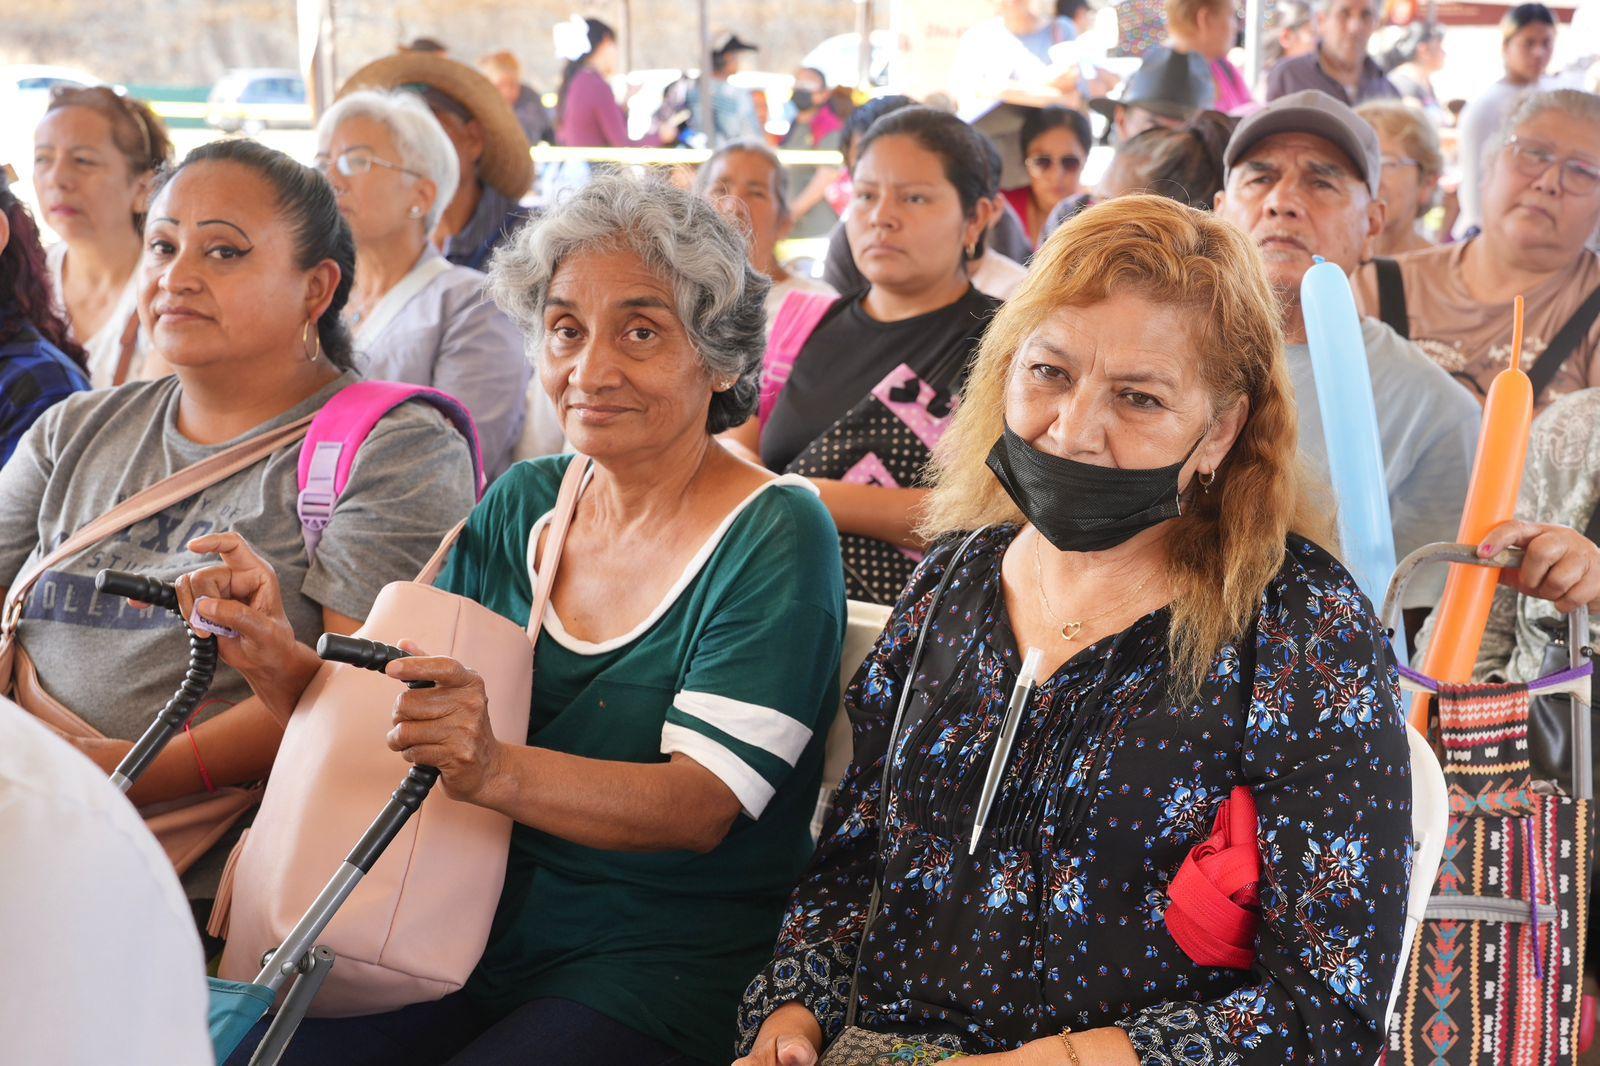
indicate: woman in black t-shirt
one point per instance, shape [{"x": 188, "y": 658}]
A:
[{"x": 857, "y": 401}]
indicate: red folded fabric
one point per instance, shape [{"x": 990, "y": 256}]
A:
[{"x": 1213, "y": 904}]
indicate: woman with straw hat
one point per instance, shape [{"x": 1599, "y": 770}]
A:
[{"x": 493, "y": 152}]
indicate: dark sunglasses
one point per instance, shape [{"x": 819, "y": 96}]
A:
[{"x": 1046, "y": 163}]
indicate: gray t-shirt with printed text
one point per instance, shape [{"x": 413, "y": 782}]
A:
[{"x": 116, "y": 667}]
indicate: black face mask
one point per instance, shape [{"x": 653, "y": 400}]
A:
[
  {"x": 1079, "y": 507},
  {"x": 804, "y": 99}
]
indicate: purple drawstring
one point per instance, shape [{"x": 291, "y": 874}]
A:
[{"x": 1535, "y": 686}]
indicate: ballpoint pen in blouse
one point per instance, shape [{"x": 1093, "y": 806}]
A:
[{"x": 1002, "y": 747}]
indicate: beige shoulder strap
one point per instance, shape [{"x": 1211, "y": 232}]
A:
[
  {"x": 550, "y": 558},
  {"x": 136, "y": 508}
]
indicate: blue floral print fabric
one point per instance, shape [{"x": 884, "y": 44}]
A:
[{"x": 1049, "y": 926}]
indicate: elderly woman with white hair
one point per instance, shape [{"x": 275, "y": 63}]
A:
[
  {"x": 415, "y": 316},
  {"x": 685, "y": 675}
]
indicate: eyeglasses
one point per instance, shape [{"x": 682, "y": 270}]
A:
[
  {"x": 1044, "y": 164},
  {"x": 1400, "y": 161},
  {"x": 1531, "y": 160},
  {"x": 353, "y": 161}
]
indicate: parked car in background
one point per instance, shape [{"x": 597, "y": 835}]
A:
[
  {"x": 25, "y": 90},
  {"x": 25, "y": 93},
  {"x": 253, "y": 99}
]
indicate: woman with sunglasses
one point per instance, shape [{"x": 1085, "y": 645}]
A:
[
  {"x": 1055, "y": 142},
  {"x": 95, "y": 157},
  {"x": 416, "y": 317}
]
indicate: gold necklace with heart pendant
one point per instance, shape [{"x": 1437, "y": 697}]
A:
[{"x": 1069, "y": 630}]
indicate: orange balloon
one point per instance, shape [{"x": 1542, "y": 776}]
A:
[{"x": 1491, "y": 499}]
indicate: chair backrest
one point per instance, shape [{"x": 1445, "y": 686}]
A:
[
  {"x": 1430, "y": 820},
  {"x": 865, "y": 623}
]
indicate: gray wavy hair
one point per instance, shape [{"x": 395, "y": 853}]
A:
[{"x": 681, "y": 239}]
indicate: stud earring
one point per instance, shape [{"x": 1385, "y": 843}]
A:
[{"x": 414, "y": 211}]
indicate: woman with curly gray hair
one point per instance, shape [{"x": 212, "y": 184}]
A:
[{"x": 685, "y": 677}]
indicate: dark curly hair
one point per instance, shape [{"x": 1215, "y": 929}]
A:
[
  {"x": 308, "y": 205},
  {"x": 24, "y": 277}
]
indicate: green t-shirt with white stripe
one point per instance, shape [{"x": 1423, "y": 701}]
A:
[{"x": 738, "y": 669}]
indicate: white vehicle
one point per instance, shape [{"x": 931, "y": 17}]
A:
[
  {"x": 253, "y": 99},
  {"x": 839, "y": 58},
  {"x": 24, "y": 95}
]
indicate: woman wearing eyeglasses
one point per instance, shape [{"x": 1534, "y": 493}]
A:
[
  {"x": 1055, "y": 142},
  {"x": 1541, "y": 197},
  {"x": 95, "y": 155},
  {"x": 416, "y": 317},
  {"x": 1412, "y": 163}
]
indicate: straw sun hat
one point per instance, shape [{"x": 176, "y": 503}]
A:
[{"x": 505, "y": 164}]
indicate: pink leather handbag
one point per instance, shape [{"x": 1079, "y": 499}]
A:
[{"x": 415, "y": 927}]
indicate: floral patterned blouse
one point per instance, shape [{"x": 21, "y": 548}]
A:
[{"x": 1048, "y": 927}]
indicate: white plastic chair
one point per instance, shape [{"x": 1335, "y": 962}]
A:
[
  {"x": 1430, "y": 821},
  {"x": 865, "y": 622}
]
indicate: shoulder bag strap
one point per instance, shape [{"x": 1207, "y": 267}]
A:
[
  {"x": 1564, "y": 343},
  {"x": 141, "y": 505},
  {"x": 560, "y": 522},
  {"x": 435, "y": 563},
  {"x": 127, "y": 345},
  {"x": 888, "y": 761},
  {"x": 1392, "y": 296}
]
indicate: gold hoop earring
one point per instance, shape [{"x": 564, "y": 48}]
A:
[{"x": 312, "y": 354}]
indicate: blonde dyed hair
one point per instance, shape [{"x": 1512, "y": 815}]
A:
[
  {"x": 1185, "y": 14},
  {"x": 1408, "y": 125},
  {"x": 1230, "y": 542}
]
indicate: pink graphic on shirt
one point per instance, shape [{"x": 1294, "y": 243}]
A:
[
  {"x": 869, "y": 470},
  {"x": 925, "y": 410}
]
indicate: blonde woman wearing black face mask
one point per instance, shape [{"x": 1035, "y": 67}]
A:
[{"x": 1161, "y": 636}]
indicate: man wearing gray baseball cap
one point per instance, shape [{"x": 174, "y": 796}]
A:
[{"x": 1302, "y": 180}]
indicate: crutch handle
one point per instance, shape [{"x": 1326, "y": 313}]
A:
[
  {"x": 367, "y": 654},
  {"x": 137, "y": 587}
]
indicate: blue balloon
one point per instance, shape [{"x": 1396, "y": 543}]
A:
[{"x": 1350, "y": 424}]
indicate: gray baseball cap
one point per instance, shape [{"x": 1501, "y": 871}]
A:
[{"x": 1317, "y": 113}]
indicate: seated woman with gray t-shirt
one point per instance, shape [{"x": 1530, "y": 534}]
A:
[{"x": 246, "y": 266}]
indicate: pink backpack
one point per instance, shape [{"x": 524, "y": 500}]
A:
[
  {"x": 797, "y": 319},
  {"x": 343, "y": 425}
]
